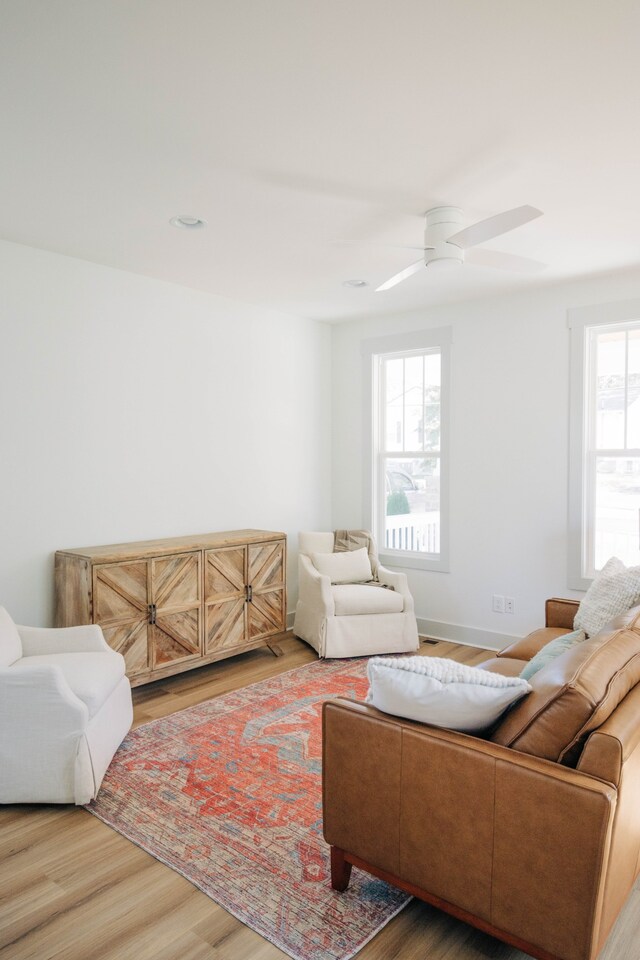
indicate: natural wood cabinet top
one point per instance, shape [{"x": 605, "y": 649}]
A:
[{"x": 155, "y": 548}]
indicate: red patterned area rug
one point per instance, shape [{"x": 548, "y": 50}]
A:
[{"x": 228, "y": 793}]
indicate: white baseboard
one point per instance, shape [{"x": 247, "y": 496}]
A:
[
  {"x": 468, "y": 636},
  {"x": 453, "y": 632}
]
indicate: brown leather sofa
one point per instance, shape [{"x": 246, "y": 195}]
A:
[{"x": 531, "y": 833}]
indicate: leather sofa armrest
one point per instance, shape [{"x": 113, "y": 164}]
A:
[
  {"x": 560, "y": 612},
  {"x": 500, "y": 835},
  {"x": 527, "y": 647},
  {"x": 559, "y": 616}
]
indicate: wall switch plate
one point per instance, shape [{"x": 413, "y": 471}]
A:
[
  {"x": 509, "y": 605},
  {"x": 498, "y": 603}
]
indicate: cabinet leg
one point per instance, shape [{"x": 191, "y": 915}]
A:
[
  {"x": 275, "y": 648},
  {"x": 340, "y": 870}
]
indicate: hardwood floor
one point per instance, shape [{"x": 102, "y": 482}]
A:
[{"x": 71, "y": 888}]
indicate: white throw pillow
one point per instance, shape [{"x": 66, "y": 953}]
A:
[
  {"x": 350, "y": 566},
  {"x": 441, "y": 692},
  {"x": 615, "y": 590}
]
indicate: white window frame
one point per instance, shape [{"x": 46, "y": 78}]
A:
[
  {"x": 416, "y": 342},
  {"x": 580, "y": 320}
]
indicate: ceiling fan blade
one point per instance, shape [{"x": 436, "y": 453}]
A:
[
  {"x": 403, "y": 275},
  {"x": 503, "y": 261},
  {"x": 494, "y": 226}
]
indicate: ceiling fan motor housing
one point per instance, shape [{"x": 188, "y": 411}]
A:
[{"x": 442, "y": 222}]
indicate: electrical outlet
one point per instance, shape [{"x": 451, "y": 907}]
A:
[
  {"x": 509, "y": 605},
  {"x": 498, "y": 603}
]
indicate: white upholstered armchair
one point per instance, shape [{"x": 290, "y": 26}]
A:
[
  {"x": 65, "y": 707},
  {"x": 352, "y": 619}
]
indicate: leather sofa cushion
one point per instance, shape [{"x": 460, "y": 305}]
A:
[
  {"x": 575, "y": 693},
  {"x": 608, "y": 748},
  {"x": 353, "y": 599}
]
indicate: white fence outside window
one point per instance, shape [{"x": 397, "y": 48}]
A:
[{"x": 410, "y": 531}]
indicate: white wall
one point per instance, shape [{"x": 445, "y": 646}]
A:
[
  {"x": 509, "y": 452},
  {"x": 132, "y": 409}
]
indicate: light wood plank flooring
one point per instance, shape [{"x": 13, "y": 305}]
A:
[{"x": 73, "y": 889}]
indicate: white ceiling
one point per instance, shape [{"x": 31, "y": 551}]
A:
[{"x": 290, "y": 124}]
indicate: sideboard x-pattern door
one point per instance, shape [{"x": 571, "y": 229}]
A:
[
  {"x": 266, "y": 612},
  {"x": 149, "y": 610},
  {"x": 175, "y": 602},
  {"x": 244, "y": 594}
]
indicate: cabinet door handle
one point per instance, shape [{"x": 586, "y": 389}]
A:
[
  {"x": 152, "y": 613},
  {"x": 249, "y": 593}
]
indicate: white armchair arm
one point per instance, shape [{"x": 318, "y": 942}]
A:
[
  {"x": 43, "y": 640},
  {"x": 37, "y": 699},
  {"x": 399, "y": 583},
  {"x": 314, "y": 588},
  {"x": 41, "y": 747}
]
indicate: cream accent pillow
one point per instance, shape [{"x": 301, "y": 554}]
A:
[
  {"x": 441, "y": 692},
  {"x": 352, "y": 566},
  {"x": 615, "y": 590}
]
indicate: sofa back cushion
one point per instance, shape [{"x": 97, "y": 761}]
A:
[
  {"x": 10, "y": 643},
  {"x": 575, "y": 693}
]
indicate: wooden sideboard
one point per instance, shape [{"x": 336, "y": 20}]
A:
[{"x": 174, "y": 604}]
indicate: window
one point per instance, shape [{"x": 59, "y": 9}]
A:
[
  {"x": 605, "y": 448},
  {"x": 407, "y": 467}
]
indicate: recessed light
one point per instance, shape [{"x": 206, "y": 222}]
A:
[
  {"x": 187, "y": 223},
  {"x": 355, "y": 283}
]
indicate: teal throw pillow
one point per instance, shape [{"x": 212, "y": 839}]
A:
[{"x": 550, "y": 651}]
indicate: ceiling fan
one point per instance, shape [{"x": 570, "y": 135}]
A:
[{"x": 445, "y": 243}]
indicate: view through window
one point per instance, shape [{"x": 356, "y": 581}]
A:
[
  {"x": 408, "y": 505},
  {"x": 612, "y": 448}
]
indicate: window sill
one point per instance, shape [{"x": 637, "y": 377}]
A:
[{"x": 400, "y": 562}]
